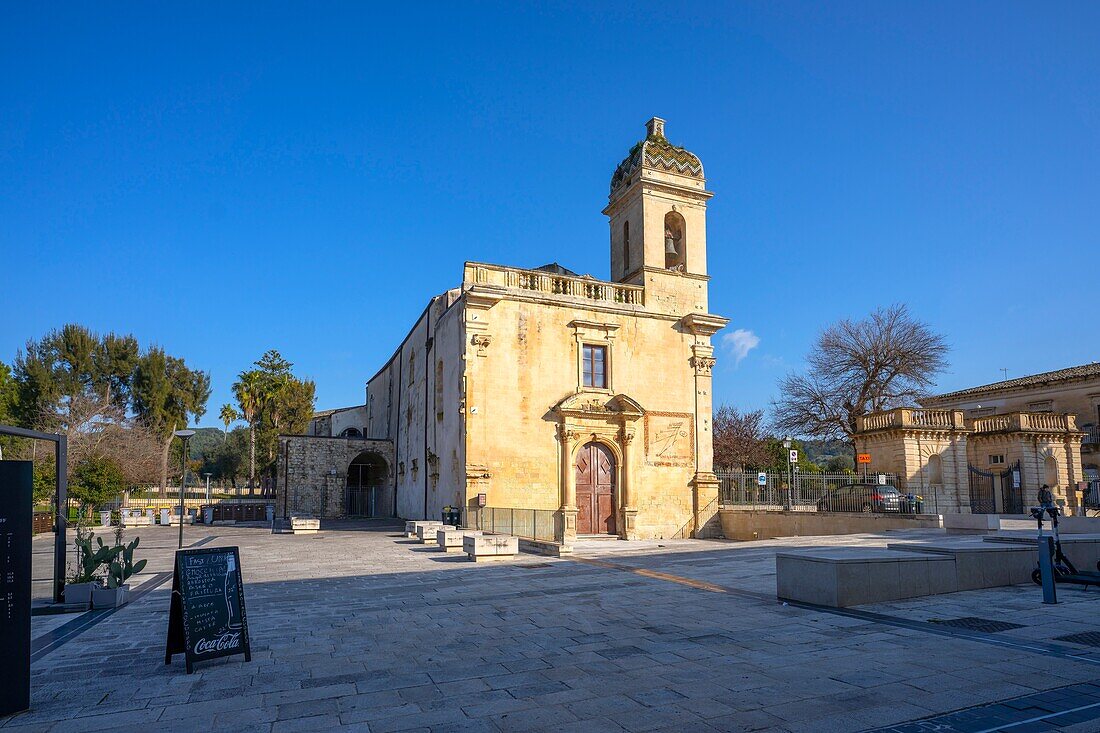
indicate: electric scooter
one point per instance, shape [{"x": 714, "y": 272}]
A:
[{"x": 1064, "y": 570}]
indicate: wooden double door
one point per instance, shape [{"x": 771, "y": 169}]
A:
[{"x": 595, "y": 467}]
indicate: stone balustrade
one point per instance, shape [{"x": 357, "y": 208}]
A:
[
  {"x": 554, "y": 285},
  {"x": 1021, "y": 421},
  {"x": 909, "y": 417}
]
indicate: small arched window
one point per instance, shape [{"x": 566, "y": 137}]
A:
[
  {"x": 675, "y": 240},
  {"x": 351, "y": 433},
  {"x": 626, "y": 247}
]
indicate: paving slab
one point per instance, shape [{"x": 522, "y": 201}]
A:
[{"x": 357, "y": 628}]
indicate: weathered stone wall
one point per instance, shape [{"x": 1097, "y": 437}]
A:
[{"x": 311, "y": 474}]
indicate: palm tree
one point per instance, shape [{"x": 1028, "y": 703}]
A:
[
  {"x": 249, "y": 389},
  {"x": 228, "y": 415}
]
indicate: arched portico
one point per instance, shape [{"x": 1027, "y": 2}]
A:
[{"x": 366, "y": 484}]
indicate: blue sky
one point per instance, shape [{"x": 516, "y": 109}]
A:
[{"x": 226, "y": 178}]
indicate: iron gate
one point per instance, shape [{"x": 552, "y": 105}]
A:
[
  {"x": 361, "y": 501},
  {"x": 1012, "y": 492},
  {"x": 981, "y": 492}
]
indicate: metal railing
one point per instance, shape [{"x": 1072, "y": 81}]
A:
[
  {"x": 824, "y": 492},
  {"x": 531, "y": 524},
  {"x": 1092, "y": 435}
]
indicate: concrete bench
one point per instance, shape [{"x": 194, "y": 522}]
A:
[
  {"x": 449, "y": 539},
  {"x": 980, "y": 564},
  {"x": 488, "y": 548},
  {"x": 411, "y": 527},
  {"x": 1083, "y": 550},
  {"x": 971, "y": 523},
  {"x": 137, "y": 520},
  {"x": 851, "y": 576},
  {"x": 426, "y": 532},
  {"x": 304, "y": 524}
]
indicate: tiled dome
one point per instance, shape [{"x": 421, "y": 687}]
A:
[{"x": 657, "y": 152}]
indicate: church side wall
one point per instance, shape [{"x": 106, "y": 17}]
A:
[
  {"x": 404, "y": 405},
  {"x": 446, "y": 445}
]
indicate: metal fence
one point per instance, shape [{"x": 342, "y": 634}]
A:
[
  {"x": 532, "y": 524},
  {"x": 822, "y": 492}
]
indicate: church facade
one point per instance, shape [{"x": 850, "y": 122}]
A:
[{"x": 581, "y": 403}]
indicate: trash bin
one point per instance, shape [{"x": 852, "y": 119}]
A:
[{"x": 452, "y": 515}]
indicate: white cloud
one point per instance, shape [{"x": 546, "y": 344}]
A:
[{"x": 740, "y": 343}]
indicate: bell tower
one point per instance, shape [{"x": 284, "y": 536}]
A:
[{"x": 658, "y": 213}]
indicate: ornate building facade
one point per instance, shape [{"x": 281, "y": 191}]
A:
[
  {"x": 585, "y": 402},
  {"x": 988, "y": 449}
]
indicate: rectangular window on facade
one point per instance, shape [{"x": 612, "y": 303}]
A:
[
  {"x": 996, "y": 460},
  {"x": 595, "y": 366}
]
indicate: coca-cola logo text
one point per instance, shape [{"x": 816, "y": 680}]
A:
[{"x": 223, "y": 642}]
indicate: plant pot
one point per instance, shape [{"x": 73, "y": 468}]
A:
[
  {"x": 79, "y": 593},
  {"x": 109, "y": 597}
]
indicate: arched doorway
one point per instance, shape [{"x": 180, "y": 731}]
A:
[
  {"x": 366, "y": 480},
  {"x": 595, "y": 470}
]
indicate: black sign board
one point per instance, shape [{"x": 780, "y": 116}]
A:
[
  {"x": 207, "y": 619},
  {"x": 16, "y": 510}
]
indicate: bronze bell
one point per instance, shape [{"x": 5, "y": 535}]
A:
[{"x": 670, "y": 246}]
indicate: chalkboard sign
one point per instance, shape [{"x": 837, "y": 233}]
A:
[
  {"x": 206, "y": 619},
  {"x": 15, "y": 586}
]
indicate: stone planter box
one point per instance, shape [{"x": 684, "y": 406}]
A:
[
  {"x": 412, "y": 526},
  {"x": 110, "y": 597},
  {"x": 79, "y": 593},
  {"x": 304, "y": 525},
  {"x": 488, "y": 548},
  {"x": 450, "y": 539}
]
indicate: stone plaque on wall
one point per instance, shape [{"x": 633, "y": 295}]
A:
[{"x": 670, "y": 439}]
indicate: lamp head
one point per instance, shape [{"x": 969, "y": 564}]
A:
[{"x": 184, "y": 434}]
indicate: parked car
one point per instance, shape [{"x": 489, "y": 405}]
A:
[{"x": 861, "y": 497}]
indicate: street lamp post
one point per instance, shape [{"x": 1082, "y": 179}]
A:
[
  {"x": 787, "y": 443},
  {"x": 184, "y": 435},
  {"x": 208, "y": 475}
]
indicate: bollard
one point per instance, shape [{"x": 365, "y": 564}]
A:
[{"x": 1046, "y": 569}]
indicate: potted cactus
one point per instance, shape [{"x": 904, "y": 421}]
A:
[
  {"x": 89, "y": 560},
  {"x": 120, "y": 568}
]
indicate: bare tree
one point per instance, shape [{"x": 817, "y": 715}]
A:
[
  {"x": 856, "y": 367},
  {"x": 740, "y": 440}
]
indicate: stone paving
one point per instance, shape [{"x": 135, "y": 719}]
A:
[{"x": 357, "y": 628}]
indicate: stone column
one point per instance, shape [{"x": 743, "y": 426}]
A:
[
  {"x": 705, "y": 483},
  {"x": 630, "y": 512},
  {"x": 568, "y": 530}
]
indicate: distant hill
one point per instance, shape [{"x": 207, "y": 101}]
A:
[
  {"x": 831, "y": 455},
  {"x": 204, "y": 441}
]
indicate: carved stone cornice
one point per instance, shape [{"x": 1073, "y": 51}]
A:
[
  {"x": 704, "y": 324},
  {"x": 590, "y": 404}
]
